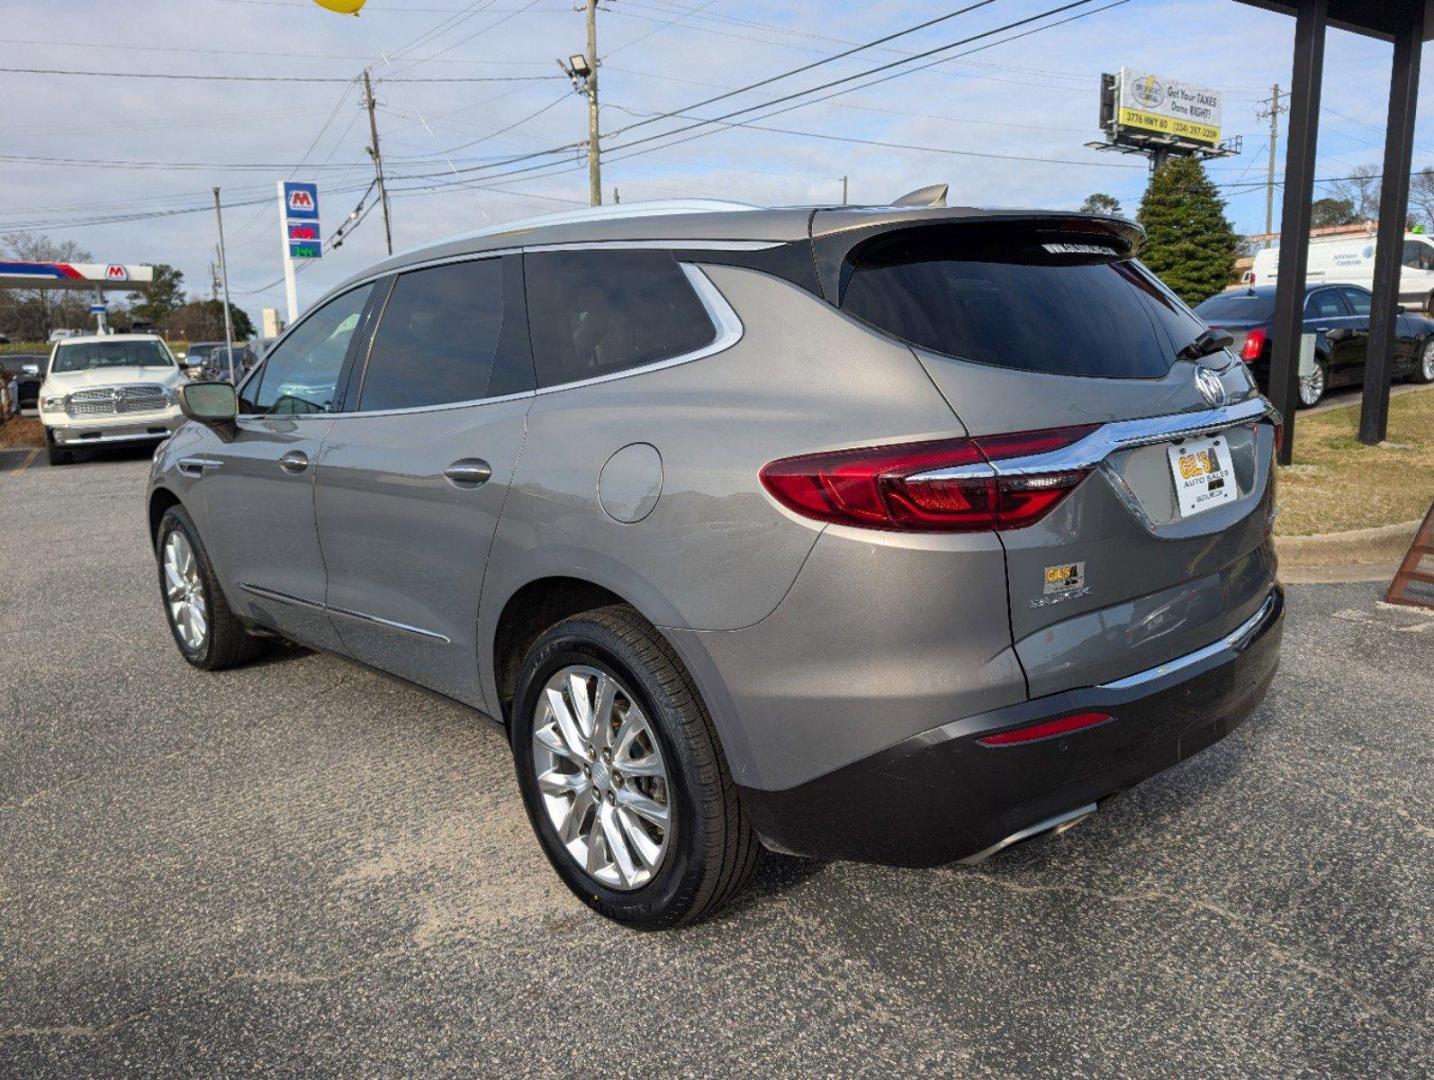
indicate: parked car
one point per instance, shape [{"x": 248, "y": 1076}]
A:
[
  {"x": 1338, "y": 316},
  {"x": 28, "y": 369},
  {"x": 872, "y": 533},
  {"x": 107, "y": 389},
  {"x": 61, "y": 335}
]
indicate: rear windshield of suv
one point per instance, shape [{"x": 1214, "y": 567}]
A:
[
  {"x": 1239, "y": 305},
  {"x": 1061, "y": 304},
  {"x": 103, "y": 354}
]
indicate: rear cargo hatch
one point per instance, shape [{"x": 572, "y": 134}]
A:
[{"x": 1042, "y": 323}]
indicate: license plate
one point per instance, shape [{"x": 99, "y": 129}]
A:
[{"x": 1204, "y": 475}]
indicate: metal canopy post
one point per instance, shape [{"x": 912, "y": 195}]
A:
[
  {"x": 1393, "y": 206},
  {"x": 1310, "y": 23}
]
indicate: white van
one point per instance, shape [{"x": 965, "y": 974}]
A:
[{"x": 1349, "y": 260}]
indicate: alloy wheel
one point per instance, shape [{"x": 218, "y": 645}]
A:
[
  {"x": 1312, "y": 387},
  {"x": 1426, "y": 362},
  {"x": 184, "y": 591},
  {"x": 601, "y": 777}
]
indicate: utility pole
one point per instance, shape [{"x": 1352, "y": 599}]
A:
[
  {"x": 373, "y": 150},
  {"x": 843, "y": 190},
  {"x": 224, "y": 276},
  {"x": 594, "y": 151},
  {"x": 1272, "y": 110},
  {"x": 616, "y": 196}
]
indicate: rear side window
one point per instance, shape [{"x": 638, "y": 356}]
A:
[
  {"x": 1357, "y": 299},
  {"x": 1051, "y": 303},
  {"x": 446, "y": 336},
  {"x": 1325, "y": 304},
  {"x": 595, "y": 313},
  {"x": 1239, "y": 305}
]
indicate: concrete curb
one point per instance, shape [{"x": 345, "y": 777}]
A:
[{"x": 1385, "y": 544}]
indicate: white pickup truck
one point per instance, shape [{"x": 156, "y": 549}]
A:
[{"x": 100, "y": 390}]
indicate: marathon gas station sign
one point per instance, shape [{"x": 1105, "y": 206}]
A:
[
  {"x": 90, "y": 276},
  {"x": 301, "y": 220}
]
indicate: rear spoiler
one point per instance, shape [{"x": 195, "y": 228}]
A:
[{"x": 838, "y": 233}]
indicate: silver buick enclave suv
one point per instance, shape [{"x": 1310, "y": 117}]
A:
[{"x": 870, "y": 533}]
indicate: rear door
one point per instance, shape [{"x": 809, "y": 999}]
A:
[
  {"x": 258, "y": 485},
  {"x": 1025, "y": 329},
  {"x": 414, "y": 473},
  {"x": 1327, "y": 315}
]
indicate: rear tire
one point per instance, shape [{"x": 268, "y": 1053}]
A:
[
  {"x": 708, "y": 850},
  {"x": 1424, "y": 363},
  {"x": 1311, "y": 391},
  {"x": 207, "y": 633}
]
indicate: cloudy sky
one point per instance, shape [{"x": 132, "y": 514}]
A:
[{"x": 125, "y": 166}]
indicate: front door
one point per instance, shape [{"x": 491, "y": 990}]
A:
[
  {"x": 259, "y": 484},
  {"x": 413, "y": 476},
  {"x": 1327, "y": 314}
]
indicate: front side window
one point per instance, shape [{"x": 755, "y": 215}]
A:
[
  {"x": 1020, "y": 299},
  {"x": 1358, "y": 300},
  {"x": 594, "y": 313},
  {"x": 301, "y": 375},
  {"x": 88, "y": 356},
  {"x": 445, "y": 337},
  {"x": 1418, "y": 255}
]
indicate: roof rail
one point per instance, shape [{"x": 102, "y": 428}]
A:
[{"x": 652, "y": 208}]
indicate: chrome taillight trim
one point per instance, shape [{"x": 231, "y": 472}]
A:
[{"x": 1124, "y": 434}]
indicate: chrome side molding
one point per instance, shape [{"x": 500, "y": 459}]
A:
[{"x": 315, "y": 605}]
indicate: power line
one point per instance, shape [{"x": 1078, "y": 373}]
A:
[{"x": 270, "y": 78}]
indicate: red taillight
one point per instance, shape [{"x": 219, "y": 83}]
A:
[
  {"x": 1279, "y": 437},
  {"x": 1046, "y": 729},
  {"x": 1254, "y": 345},
  {"x": 891, "y": 487}
]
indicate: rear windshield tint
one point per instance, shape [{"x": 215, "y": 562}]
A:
[
  {"x": 1240, "y": 305},
  {"x": 1059, "y": 304}
]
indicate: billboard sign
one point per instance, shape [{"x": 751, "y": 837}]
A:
[{"x": 1161, "y": 106}]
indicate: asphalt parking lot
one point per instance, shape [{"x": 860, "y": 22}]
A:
[{"x": 306, "y": 868}]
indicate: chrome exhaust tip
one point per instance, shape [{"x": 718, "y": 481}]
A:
[{"x": 1058, "y": 824}]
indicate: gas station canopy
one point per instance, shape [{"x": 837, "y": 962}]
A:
[{"x": 89, "y": 277}]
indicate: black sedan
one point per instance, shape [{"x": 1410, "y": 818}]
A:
[
  {"x": 1338, "y": 317},
  {"x": 29, "y": 372}
]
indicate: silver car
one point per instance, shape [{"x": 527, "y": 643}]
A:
[{"x": 869, "y": 533}]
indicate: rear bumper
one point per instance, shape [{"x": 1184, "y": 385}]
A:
[{"x": 942, "y": 795}]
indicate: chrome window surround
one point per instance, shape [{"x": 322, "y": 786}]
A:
[
  {"x": 1232, "y": 642},
  {"x": 315, "y": 605},
  {"x": 1108, "y": 438},
  {"x": 727, "y": 324}
]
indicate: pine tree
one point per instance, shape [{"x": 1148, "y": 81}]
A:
[{"x": 1189, "y": 243}]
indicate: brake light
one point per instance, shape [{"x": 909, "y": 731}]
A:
[
  {"x": 941, "y": 486},
  {"x": 1254, "y": 345},
  {"x": 1046, "y": 729}
]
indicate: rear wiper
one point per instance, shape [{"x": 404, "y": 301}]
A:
[{"x": 1209, "y": 341}]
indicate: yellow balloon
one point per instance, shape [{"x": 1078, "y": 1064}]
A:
[{"x": 343, "y": 7}]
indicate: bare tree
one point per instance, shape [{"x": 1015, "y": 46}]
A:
[
  {"x": 1361, "y": 190},
  {"x": 1421, "y": 196},
  {"x": 32, "y": 313}
]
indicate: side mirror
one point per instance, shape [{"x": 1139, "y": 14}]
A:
[{"x": 212, "y": 403}]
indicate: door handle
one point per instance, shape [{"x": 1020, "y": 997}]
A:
[
  {"x": 295, "y": 461},
  {"x": 468, "y": 473}
]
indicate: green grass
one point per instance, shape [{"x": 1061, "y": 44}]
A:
[{"x": 1336, "y": 483}]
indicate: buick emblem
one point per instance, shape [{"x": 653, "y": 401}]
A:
[{"x": 1210, "y": 387}]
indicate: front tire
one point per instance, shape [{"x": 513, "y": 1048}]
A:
[
  {"x": 55, "y": 453},
  {"x": 208, "y": 634},
  {"x": 622, "y": 776}
]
